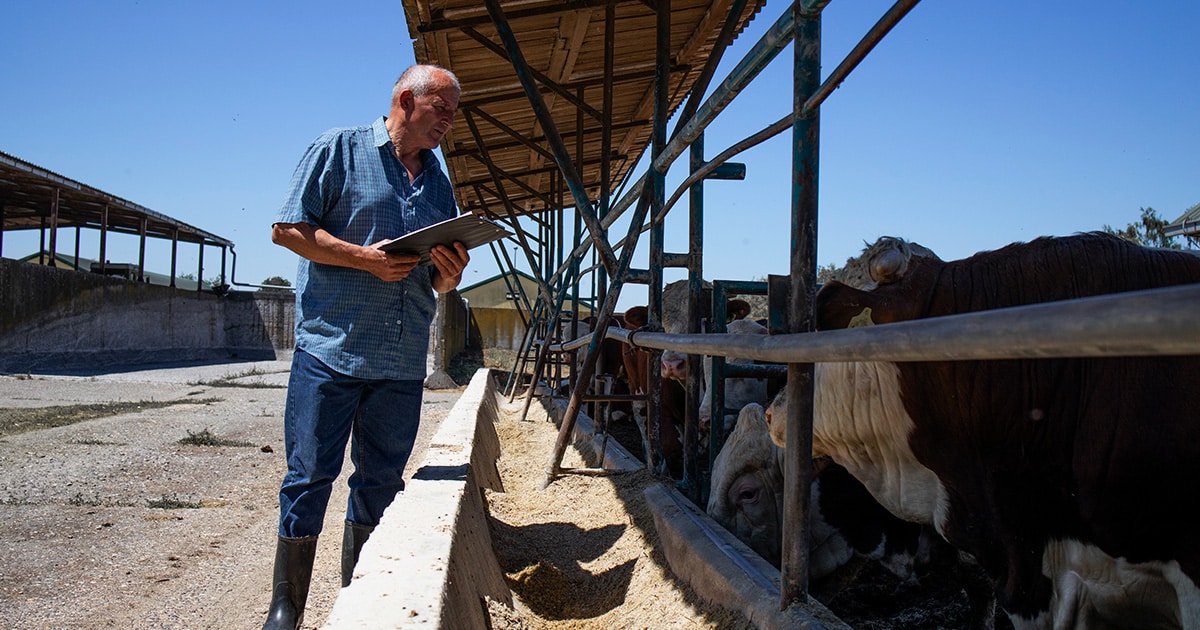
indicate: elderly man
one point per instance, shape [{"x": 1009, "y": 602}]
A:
[{"x": 362, "y": 320}]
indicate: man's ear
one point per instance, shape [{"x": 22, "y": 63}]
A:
[{"x": 406, "y": 100}]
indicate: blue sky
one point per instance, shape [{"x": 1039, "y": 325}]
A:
[{"x": 971, "y": 126}]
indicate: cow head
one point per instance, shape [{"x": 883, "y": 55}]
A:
[
  {"x": 885, "y": 262},
  {"x": 747, "y": 486},
  {"x": 885, "y": 284}
]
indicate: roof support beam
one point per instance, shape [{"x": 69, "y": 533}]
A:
[
  {"x": 450, "y": 20},
  {"x": 495, "y": 122},
  {"x": 142, "y": 251},
  {"x": 587, "y": 133},
  {"x": 724, "y": 39},
  {"x": 583, "y": 204},
  {"x": 174, "y": 257},
  {"x": 619, "y": 75},
  {"x": 54, "y": 224},
  {"x": 200, "y": 269},
  {"x": 507, "y": 55},
  {"x": 104, "y": 243}
]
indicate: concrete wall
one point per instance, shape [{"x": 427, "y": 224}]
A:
[
  {"x": 430, "y": 562},
  {"x": 63, "y": 319}
]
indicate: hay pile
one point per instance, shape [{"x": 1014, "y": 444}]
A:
[{"x": 582, "y": 553}]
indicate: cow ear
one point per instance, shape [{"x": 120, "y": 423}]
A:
[{"x": 843, "y": 306}]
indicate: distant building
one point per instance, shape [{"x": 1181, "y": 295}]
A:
[
  {"x": 1187, "y": 225},
  {"x": 38, "y": 200},
  {"x": 500, "y": 314}
]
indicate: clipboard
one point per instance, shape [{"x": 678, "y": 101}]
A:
[{"x": 471, "y": 229}]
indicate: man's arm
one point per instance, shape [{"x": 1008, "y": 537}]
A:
[
  {"x": 448, "y": 265},
  {"x": 318, "y": 245}
]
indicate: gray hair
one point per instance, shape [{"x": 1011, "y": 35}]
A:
[{"x": 423, "y": 80}]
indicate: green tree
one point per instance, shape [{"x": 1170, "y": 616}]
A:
[
  {"x": 1149, "y": 231},
  {"x": 276, "y": 283},
  {"x": 827, "y": 273}
]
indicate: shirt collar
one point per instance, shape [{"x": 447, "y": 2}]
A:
[
  {"x": 381, "y": 132},
  {"x": 382, "y": 137}
]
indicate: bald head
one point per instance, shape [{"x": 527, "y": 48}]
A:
[{"x": 425, "y": 79}]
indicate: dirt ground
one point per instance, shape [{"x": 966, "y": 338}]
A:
[{"x": 112, "y": 522}]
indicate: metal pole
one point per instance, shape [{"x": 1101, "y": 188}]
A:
[
  {"x": 692, "y": 482},
  {"x": 656, "y": 184},
  {"x": 54, "y": 226},
  {"x": 142, "y": 250},
  {"x": 602, "y": 328},
  {"x": 174, "y": 254},
  {"x": 200, "y": 268},
  {"x": 805, "y": 154},
  {"x": 104, "y": 240},
  {"x": 1133, "y": 323}
]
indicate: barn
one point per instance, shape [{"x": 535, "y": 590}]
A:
[{"x": 499, "y": 308}]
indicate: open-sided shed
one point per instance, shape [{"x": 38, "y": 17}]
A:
[{"x": 34, "y": 198}]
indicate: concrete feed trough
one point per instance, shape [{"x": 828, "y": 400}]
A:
[{"x": 431, "y": 562}]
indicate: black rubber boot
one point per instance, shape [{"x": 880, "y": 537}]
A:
[
  {"x": 293, "y": 573},
  {"x": 352, "y": 544}
]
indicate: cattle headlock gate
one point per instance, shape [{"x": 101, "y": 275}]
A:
[{"x": 560, "y": 100}]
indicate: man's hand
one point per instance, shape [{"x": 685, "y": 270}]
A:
[
  {"x": 319, "y": 246},
  {"x": 389, "y": 267},
  {"x": 448, "y": 266}
]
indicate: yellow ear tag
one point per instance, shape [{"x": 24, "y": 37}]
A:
[{"x": 862, "y": 319}]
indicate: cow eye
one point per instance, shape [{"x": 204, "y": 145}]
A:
[{"x": 749, "y": 495}]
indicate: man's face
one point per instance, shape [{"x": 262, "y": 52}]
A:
[{"x": 432, "y": 116}]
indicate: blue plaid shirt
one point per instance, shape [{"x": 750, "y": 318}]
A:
[{"x": 351, "y": 184}]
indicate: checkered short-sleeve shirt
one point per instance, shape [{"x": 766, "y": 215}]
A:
[{"x": 350, "y": 183}]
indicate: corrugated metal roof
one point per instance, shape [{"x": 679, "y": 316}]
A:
[
  {"x": 563, "y": 42},
  {"x": 1187, "y": 224}
]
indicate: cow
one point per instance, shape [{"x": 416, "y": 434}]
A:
[
  {"x": 738, "y": 391},
  {"x": 672, "y": 399},
  {"x": 1074, "y": 482},
  {"x": 848, "y": 528},
  {"x": 847, "y": 525},
  {"x": 673, "y": 369},
  {"x": 737, "y": 309}
]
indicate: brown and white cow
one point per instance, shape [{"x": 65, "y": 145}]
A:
[
  {"x": 739, "y": 392},
  {"x": 846, "y": 523},
  {"x": 1075, "y": 483},
  {"x": 848, "y": 528}
]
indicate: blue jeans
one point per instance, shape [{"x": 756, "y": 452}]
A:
[{"x": 325, "y": 409}]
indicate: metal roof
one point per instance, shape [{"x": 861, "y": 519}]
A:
[
  {"x": 1188, "y": 224},
  {"x": 27, "y": 196},
  {"x": 497, "y": 145}
]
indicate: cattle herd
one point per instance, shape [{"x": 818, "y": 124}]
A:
[{"x": 1068, "y": 487}]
